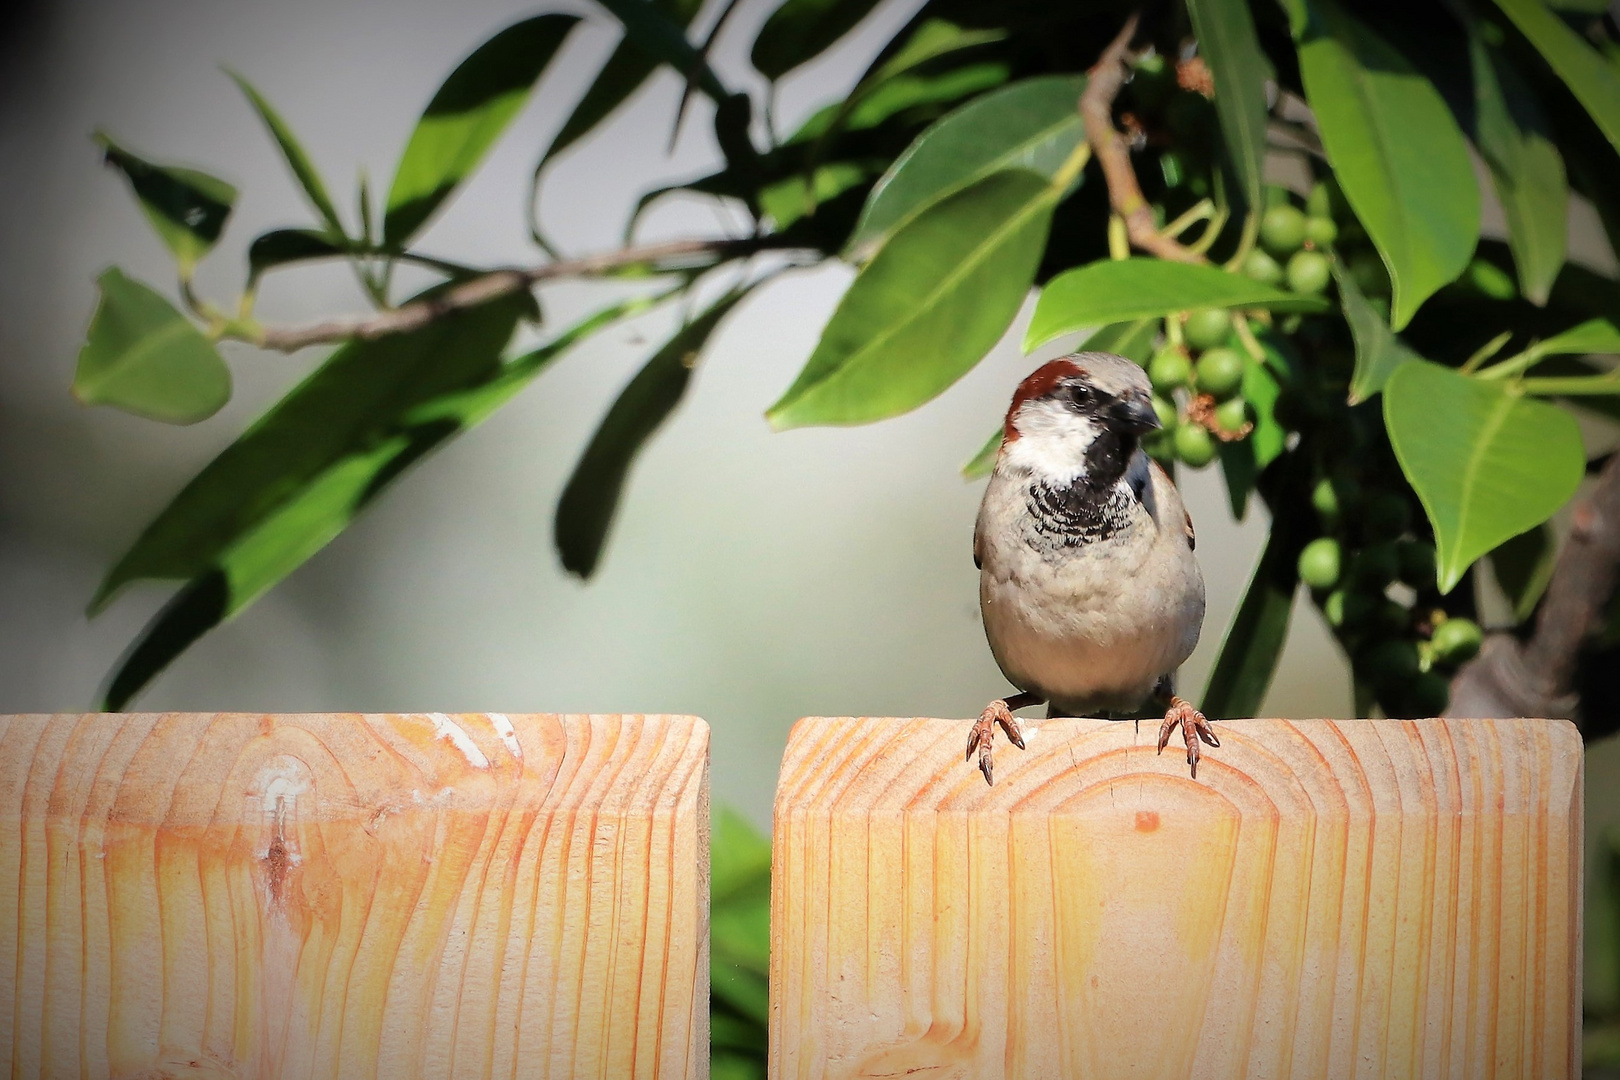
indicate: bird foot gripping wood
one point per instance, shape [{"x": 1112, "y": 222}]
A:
[
  {"x": 982, "y": 737},
  {"x": 1194, "y": 726}
]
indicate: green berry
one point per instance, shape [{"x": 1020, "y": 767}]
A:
[
  {"x": 1309, "y": 272},
  {"x": 1325, "y": 501},
  {"x": 1375, "y": 566},
  {"x": 1170, "y": 369},
  {"x": 1321, "y": 231},
  {"x": 1194, "y": 445},
  {"x": 1165, "y": 410},
  {"x": 1282, "y": 229},
  {"x": 1391, "y": 617},
  {"x": 1231, "y": 415},
  {"x": 1220, "y": 372},
  {"x": 1367, "y": 271},
  {"x": 1417, "y": 562},
  {"x": 1262, "y": 268},
  {"x": 1389, "y": 663},
  {"x": 1319, "y": 563},
  {"x": 1346, "y": 609},
  {"x": 1456, "y": 640},
  {"x": 1277, "y": 195},
  {"x": 1207, "y": 328},
  {"x": 1385, "y": 516}
]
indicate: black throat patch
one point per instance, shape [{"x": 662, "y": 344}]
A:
[{"x": 1094, "y": 506}]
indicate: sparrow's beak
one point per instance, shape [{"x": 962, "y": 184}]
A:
[{"x": 1134, "y": 415}]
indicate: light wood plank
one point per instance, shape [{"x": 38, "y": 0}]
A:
[
  {"x": 413, "y": 895},
  {"x": 1328, "y": 898}
]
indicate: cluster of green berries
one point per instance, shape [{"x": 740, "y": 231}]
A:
[
  {"x": 1208, "y": 361},
  {"x": 1375, "y": 584},
  {"x": 1295, "y": 241}
]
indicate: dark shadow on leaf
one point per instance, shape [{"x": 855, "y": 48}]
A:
[{"x": 192, "y": 612}]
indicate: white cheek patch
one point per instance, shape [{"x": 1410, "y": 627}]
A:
[{"x": 1052, "y": 441}]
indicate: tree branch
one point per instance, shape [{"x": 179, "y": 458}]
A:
[
  {"x": 483, "y": 289},
  {"x": 1537, "y": 677},
  {"x": 1103, "y": 84}
]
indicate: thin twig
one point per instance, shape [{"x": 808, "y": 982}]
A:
[
  {"x": 1124, "y": 193},
  {"x": 481, "y": 290}
]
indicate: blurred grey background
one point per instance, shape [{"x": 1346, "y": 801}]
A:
[{"x": 751, "y": 578}]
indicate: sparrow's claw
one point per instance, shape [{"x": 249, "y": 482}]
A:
[
  {"x": 982, "y": 736},
  {"x": 1194, "y": 726}
]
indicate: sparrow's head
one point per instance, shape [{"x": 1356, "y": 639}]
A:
[{"x": 1079, "y": 416}]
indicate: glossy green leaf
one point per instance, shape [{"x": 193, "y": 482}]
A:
[
  {"x": 1396, "y": 151},
  {"x": 801, "y": 30},
  {"x": 1033, "y": 124},
  {"x": 467, "y": 114},
  {"x": 300, "y": 475},
  {"x": 1114, "y": 290},
  {"x": 1593, "y": 80},
  {"x": 1254, "y": 642},
  {"x": 1523, "y": 567},
  {"x": 1132, "y": 340},
  {"x": 590, "y": 498},
  {"x": 187, "y": 208},
  {"x": 1378, "y": 351},
  {"x": 303, "y": 169},
  {"x": 930, "y": 305},
  {"x": 281, "y": 246},
  {"x": 1487, "y": 463},
  {"x": 144, "y": 357},
  {"x": 1230, "y": 46},
  {"x": 787, "y": 200},
  {"x": 1526, "y": 168}
]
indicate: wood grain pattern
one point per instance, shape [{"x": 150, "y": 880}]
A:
[
  {"x": 1355, "y": 898},
  {"x": 417, "y": 895}
]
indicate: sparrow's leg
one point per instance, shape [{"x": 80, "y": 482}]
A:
[
  {"x": 983, "y": 734},
  {"x": 1193, "y": 724}
]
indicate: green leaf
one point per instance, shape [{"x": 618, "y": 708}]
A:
[
  {"x": 801, "y": 30},
  {"x": 1526, "y": 168},
  {"x": 739, "y": 857},
  {"x": 585, "y": 510},
  {"x": 1032, "y": 124},
  {"x": 1592, "y": 336},
  {"x": 646, "y": 44},
  {"x": 1523, "y": 566},
  {"x": 281, "y": 246},
  {"x": 300, "y": 475},
  {"x": 789, "y": 199},
  {"x": 1230, "y": 46},
  {"x": 1591, "y": 78},
  {"x": 144, "y": 357},
  {"x": 1113, "y": 290},
  {"x": 1244, "y": 460},
  {"x": 1487, "y": 463},
  {"x": 1254, "y": 642},
  {"x": 344, "y": 411},
  {"x": 1396, "y": 152},
  {"x": 187, "y": 208},
  {"x": 467, "y": 114},
  {"x": 930, "y": 305},
  {"x": 292, "y": 150},
  {"x": 1132, "y": 340},
  {"x": 1378, "y": 351}
]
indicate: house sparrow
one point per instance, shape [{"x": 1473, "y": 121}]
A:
[{"x": 1089, "y": 589}]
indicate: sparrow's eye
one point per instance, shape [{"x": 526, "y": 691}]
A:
[{"x": 1079, "y": 395}]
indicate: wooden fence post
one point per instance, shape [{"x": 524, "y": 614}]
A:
[
  {"x": 1327, "y": 899},
  {"x": 356, "y": 896}
]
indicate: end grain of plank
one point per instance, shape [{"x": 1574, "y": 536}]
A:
[
  {"x": 1328, "y": 898},
  {"x": 406, "y": 895}
]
